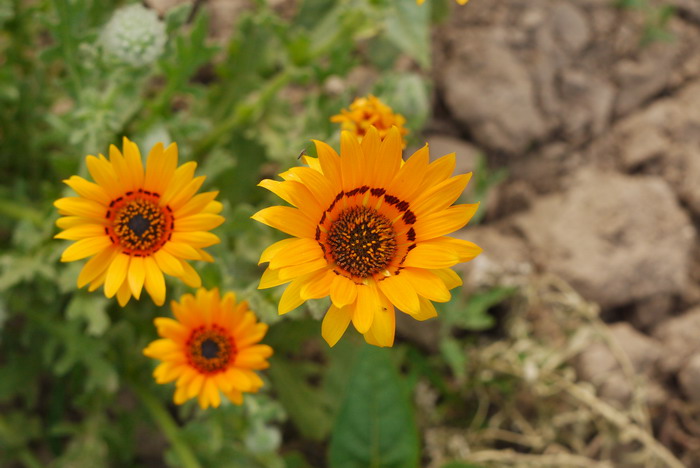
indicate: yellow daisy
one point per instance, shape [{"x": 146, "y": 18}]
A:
[
  {"x": 370, "y": 231},
  {"x": 137, "y": 224},
  {"x": 370, "y": 111},
  {"x": 211, "y": 347}
]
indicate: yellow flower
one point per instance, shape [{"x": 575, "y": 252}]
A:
[
  {"x": 211, "y": 347},
  {"x": 137, "y": 224},
  {"x": 370, "y": 231},
  {"x": 461, "y": 2},
  {"x": 366, "y": 112}
]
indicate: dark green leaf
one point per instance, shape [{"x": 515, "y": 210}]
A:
[{"x": 376, "y": 426}]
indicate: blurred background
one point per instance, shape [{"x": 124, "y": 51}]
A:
[{"x": 574, "y": 341}]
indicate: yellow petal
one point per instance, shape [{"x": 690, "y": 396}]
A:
[
  {"x": 352, "y": 161},
  {"x": 181, "y": 250},
  {"x": 335, "y": 323},
  {"x": 302, "y": 269},
  {"x": 427, "y": 310},
  {"x": 196, "y": 238},
  {"x": 116, "y": 274},
  {"x": 171, "y": 329},
  {"x": 196, "y": 204},
  {"x": 182, "y": 177},
  {"x": 383, "y": 328},
  {"x": 329, "y": 161},
  {"x": 444, "y": 222},
  {"x": 270, "y": 279},
  {"x": 136, "y": 276},
  {"x": 449, "y": 277},
  {"x": 297, "y": 252},
  {"x": 190, "y": 276},
  {"x": 186, "y": 193},
  {"x": 124, "y": 294},
  {"x": 343, "y": 291},
  {"x": 81, "y": 231},
  {"x": 155, "y": 283},
  {"x": 318, "y": 286},
  {"x": 400, "y": 292},
  {"x": 366, "y": 306},
  {"x": 389, "y": 157},
  {"x": 88, "y": 190},
  {"x": 103, "y": 173},
  {"x": 96, "y": 266},
  {"x": 432, "y": 256},
  {"x": 270, "y": 252},
  {"x": 168, "y": 263},
  {"x": 440, "y": 196},
  {"x": 80, "y": 207},
  {"x": 291, "y": 298},
  {"x": 85, "y": 248},
  {"x": 199, "y": 222},
  {"x": 287, "y": 219},
  {"x": 426, "y": 284}
]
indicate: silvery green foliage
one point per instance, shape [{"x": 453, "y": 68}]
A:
[{"x": 134, "y": 35}]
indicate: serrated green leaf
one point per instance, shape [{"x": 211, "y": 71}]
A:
[{"x": 375, "y": 427}]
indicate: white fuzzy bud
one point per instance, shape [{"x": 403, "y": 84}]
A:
[{"x": 135, "y": 35}]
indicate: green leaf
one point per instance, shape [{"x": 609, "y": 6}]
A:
[
  {"x": 375, "y": 427},
  {"x": 408, "y": 29}
]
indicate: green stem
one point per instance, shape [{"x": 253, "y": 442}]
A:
[
  {"x": 243, "y": 112},
  {"x": 166, "y": 423}
]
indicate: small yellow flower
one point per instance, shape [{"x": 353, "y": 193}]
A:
[
  {"x": 212, "y": 346},
  {"x": 461, "y": 2},
  {"x": 138, "y": 223},
  {"x": 370, "y": 111},
  {"x": 370, "y": 231}
]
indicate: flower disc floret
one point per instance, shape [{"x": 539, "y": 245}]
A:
[{"x": 362, "y": 241}]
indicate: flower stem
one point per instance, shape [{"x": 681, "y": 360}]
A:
[{"x": 166, "y": 423}]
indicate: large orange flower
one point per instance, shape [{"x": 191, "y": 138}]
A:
[
  {"x": 213, "y": 345},
  {"x": 137, "y": 224},
  {"x": 370, "y": 231}
]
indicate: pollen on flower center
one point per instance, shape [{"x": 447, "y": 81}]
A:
[
  {"x": 362, "y": 241},
  {"x": 210, "y": 350},
  {"x": 139, "y": 225}
]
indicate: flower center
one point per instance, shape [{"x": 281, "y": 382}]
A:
[
  {"x": 138, "y": 224},
  {"x": 210, "y": 350},
  {"x": 362, "y": 242}
]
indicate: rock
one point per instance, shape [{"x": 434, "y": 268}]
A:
[
  {"x": 689, "y": 378},
  {"x": 616, "y": 239},
  {"x": 518, "y": 75},
  {"x": 488, "y": 90},
  {"x": 680, "y": 339},
  {"x": 664, "y": 140},
  {"x": 651, "y": 311},
  {"x": 599, "y": 364}
]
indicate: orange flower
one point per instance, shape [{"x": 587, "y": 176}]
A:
[
  {"x": 370, "y": 111},
  {"x": 370, "y": 231},
  {"x": 212, "y": 346}
]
